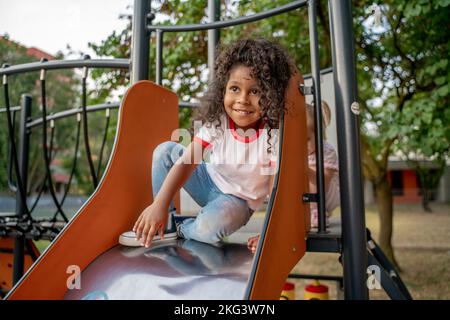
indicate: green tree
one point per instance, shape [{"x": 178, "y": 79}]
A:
[
  {"x": 61, "y": 95},
  {"x": 403, "y": 87},
  {"x": 13, "y": 54}
]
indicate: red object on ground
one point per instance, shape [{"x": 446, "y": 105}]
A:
[
  {"x": 288, "y": 286},
  {"x": 316, "y": 288}
]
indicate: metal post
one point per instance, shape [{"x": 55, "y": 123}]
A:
[
  {"x": 350, "y": 177},
  {"x": 213, "y": 34},
  {"x": 140, "y": 41},
  {"x": 19, "y": 242},
  {"x": 159, "y": 61},
  {"x": 315, "y": 73}
]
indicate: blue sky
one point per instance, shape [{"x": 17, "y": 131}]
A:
[{"x": 51, "y": 24}]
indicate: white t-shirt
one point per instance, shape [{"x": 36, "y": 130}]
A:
[
  {"x": 240, "y": 165},
  {"x": 330, "y": 161}
]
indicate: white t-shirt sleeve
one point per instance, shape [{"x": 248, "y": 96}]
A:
[
  {"x": 333, "y": 199},
  {"x": 330, "y": 157},
  {"x": 207, "y": 134},
  {"x": 331, "y": 162}
]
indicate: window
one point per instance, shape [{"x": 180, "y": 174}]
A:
[{"x": 397, "y": 182}]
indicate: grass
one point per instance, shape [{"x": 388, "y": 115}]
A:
[
  {"x": 42, "y": 245},
  {"x": 421, "y": 244}
]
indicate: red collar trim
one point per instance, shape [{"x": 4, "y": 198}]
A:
[{"x": 245, "y": 139}]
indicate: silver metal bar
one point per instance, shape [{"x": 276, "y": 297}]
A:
[
  {"x": 159, "y": 61},
  {"x": 12, "y": 109},
  {"x": 21, "y": 206},
  {"x": 350, "y": 176},
  {"x": 66, "y": 64},
  {"x": 140, "y": 41},
  {"x": 68, "y": 113},
  {"x": 315, "y": 67},
  {"x": 213, "y": 35},
  {"x": 192, "y": 105}
]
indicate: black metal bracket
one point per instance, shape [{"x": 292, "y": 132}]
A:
[
  {"x": 150, "y": 17},
  {"x": 310, "y": 197},
  {"x": 390, "y": 277}
]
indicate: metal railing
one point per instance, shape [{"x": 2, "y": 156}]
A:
[{"x": 22, "y": 225}]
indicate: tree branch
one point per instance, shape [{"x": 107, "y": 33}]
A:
[
  {"x": 326, "y": 31},
  {"x": 370, "y": 164},
  {"x": 397, "y": 44},
  {"x": 366, "y": 108},
  {"x": 386, "y": 150}
]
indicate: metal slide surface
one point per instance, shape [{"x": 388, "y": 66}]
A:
[{"x": 169, "y": 270}]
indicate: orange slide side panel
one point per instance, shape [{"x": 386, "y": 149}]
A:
[
  {"x": 284, "y": 241},
  {"x": 148, "y": 116}
]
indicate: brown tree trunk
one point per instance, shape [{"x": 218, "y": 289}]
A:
[
  {"x": 385, "y": 210},
  {"x": 425, "y": 187},
  {"x": 426, "y": 199}
]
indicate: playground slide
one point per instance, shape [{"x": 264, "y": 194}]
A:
[{"x": 85, "y": 261}]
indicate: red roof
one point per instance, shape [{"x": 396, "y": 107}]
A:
[
  {"x": 32, "y": 52},
  {"x": 35, "y": 52}
]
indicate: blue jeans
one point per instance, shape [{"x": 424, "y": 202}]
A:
[{"x": 221, "y": 214}]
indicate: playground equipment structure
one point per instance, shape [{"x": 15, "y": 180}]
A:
[{"x": 350, "y": 238}]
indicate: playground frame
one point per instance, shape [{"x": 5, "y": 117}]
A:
[{"x": 352, "y": 241}]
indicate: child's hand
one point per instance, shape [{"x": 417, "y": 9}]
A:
[
  {"x": 311, "y": 145},
  {"x": 151, "y": 221},
  {"x": 252, "y": 242}
]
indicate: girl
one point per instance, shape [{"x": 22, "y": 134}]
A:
[
  {"x": 331, "y": 170},
  {"x": 240, "y": 113},
  {"x": 330, "y": 163}
]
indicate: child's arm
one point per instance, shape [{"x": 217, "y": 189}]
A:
[
  {"x": 330, "y": 168},
  {"x": 328, "y": 175},
  {"x": 252, "y": 242},
  {"x": 154, "y": 218}
]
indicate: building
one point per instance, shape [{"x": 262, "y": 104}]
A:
[{"x": 35, "y": 53}]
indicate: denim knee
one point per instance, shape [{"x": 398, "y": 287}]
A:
[
  {"x": 217, "y": 221},
  {"x": 167, "y": 151},
  {"x": 213, "y": 232}
]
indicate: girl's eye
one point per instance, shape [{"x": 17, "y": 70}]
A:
[
  {"x": 234, "y": 88},
  {"x": 254, "y": 92}
]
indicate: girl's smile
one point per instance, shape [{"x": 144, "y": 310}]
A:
[{"x": 241, "y": 100}]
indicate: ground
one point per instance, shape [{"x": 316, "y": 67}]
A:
[{"x": 422, "y": 247}]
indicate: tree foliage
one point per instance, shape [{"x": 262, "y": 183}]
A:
[
  {"x": 404, "y": 87},
  {"x": 404, "y": 78},
  {"x": 61, "y": 94}
]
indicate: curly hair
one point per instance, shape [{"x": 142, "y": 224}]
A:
[{"x": 270, "y": 66}]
